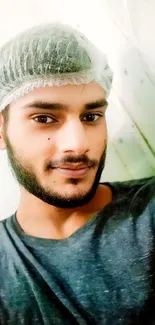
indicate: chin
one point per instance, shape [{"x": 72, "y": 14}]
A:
[
  {"x": 74, "y": 188},
  {"x": 76, "y": 184}
]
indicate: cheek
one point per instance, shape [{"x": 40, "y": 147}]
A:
[
  {"x": 32, "y": 146},
  {"x": 99, "y": 139}
]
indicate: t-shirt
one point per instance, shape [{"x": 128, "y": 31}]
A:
[{"x": 104, "y": 273}]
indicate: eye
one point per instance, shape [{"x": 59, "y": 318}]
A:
[
  {"x": 92, "y": 117},
  {"x": 43, "y": 119}
]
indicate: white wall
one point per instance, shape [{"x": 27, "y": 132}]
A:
[{"x": 125, "y": 31}]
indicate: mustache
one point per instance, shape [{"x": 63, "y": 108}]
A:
[{"x": 72, "y": 160}]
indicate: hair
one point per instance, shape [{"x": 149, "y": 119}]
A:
[
  {"x": 52, "y": 54},
  {"x": 5, "y": 114}
]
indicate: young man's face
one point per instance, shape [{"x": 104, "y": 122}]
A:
[{"x": 57, "y": 152}]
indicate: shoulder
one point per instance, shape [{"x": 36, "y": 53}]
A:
[
  {"x": 144, "y": 187},
  {"x": 137, "y": 194},
  {"x": 4, "y": 233},
  {"x": 3, "y": 222}
]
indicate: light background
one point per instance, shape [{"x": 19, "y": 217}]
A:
[{"x": 124, "y": 30}]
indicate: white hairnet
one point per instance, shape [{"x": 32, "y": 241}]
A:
[{"x": 51, "y": 54}]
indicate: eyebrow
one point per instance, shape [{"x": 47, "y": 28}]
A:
[{"x": 59, "y": 106}]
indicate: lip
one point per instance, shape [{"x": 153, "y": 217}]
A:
[
  {"x": 74, "y": 173},
  {"x": 74, "y": 166}
]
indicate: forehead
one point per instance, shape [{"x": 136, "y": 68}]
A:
[{"x": 70, "y": 94}]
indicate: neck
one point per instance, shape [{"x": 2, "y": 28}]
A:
[{"x": 39, "y": 219}]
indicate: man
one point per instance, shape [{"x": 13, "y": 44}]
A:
[{"x": 76, "y": 251}]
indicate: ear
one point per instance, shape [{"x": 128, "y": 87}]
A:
[{"x": 2, "y": 142}]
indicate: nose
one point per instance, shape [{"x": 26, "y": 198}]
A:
[{"x": 73, "y": 138}]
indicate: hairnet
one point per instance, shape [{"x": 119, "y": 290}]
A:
[{"x": 53, "y": 54}]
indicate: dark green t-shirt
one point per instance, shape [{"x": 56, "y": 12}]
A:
[{"x": 104, "y": 273}]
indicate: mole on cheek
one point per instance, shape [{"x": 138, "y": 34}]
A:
[{"x": 48, "y": 138}]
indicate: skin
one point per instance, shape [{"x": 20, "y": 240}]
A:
[{"x": 54, "y": 205}]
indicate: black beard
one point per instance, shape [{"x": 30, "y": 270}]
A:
[{"x": 27, "y": 178}]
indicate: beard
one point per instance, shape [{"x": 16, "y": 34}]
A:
[{"x": 26, "y": 176}]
